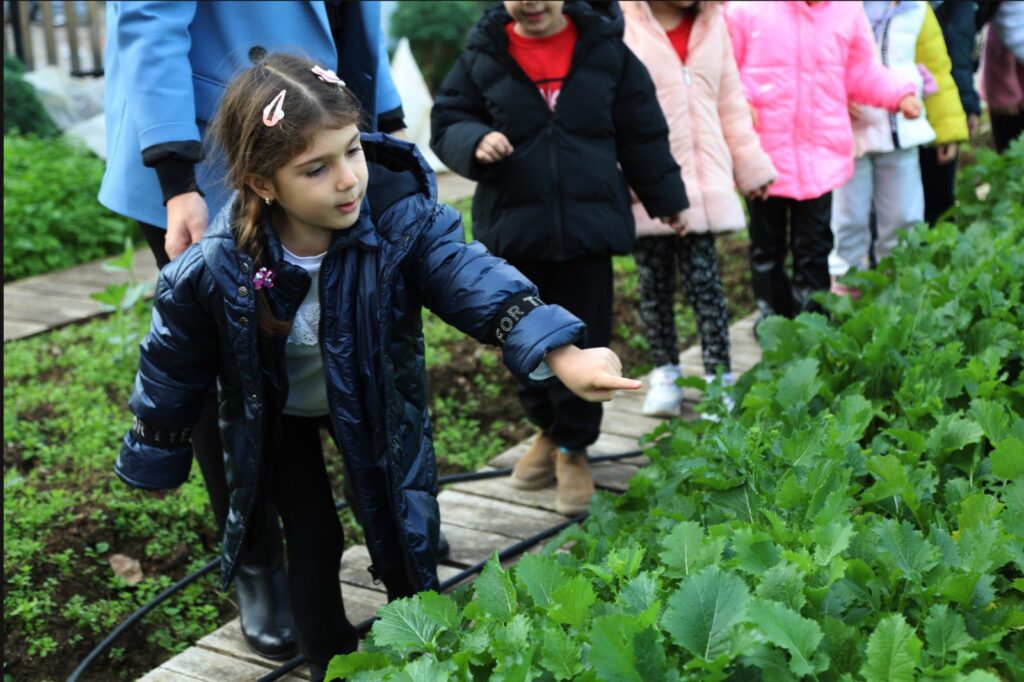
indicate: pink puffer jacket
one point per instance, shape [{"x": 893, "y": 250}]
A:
[
  {"x": 710, "y": 128},
  {"x": 801, "y": 65}
]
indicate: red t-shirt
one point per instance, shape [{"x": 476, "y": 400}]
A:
[
  {"x": 680, "y": 36},
  {"x": 545, "y": 61}
]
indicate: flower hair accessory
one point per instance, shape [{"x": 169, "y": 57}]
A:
[
  {"x": 327, "y": 76},
  {"x": 274, "y": 112},
  {"x": 264, "y": 278}
]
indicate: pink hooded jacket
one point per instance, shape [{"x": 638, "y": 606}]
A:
[
  {"x": 710, "y": 128},
  {"x": 801, "y": 65}
]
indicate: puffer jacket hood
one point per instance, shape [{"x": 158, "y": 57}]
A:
[
  {"x": 801, "y": 65},
  {"x": 564, "y": 191},
  {"x": 710, "y": 128},
  {"x": 405, "y": 252}
]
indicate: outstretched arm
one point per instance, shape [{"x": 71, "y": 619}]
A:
[{"x": 592, "y": 373}]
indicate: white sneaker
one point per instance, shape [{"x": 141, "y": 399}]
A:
[{"x": 664, "y": 398}]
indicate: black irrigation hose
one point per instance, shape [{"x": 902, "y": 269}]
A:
[
  {"x": 507, "y": 553},
  {"x": 138, "y": 615},
  {"x": 214, "y": 563}
]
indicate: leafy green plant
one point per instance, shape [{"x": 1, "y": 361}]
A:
[
  {"x": 859, "y": 517},
  {"x": 23, "y": 112},
  {"x": 436, "y": 33},
  {"x": 51, "y": 217},
  {"x": 126, "y": 301}
]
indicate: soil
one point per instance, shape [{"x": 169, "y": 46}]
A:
[{"x": 456, "y": 379}]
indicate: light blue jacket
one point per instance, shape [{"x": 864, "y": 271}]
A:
[{"x": 168, "y": 63}]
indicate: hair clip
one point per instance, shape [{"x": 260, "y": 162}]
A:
[
  {"x": 271, "y": 115},
  {"x": 264, "y": 278},
  {"x": 327, "y": 76}
]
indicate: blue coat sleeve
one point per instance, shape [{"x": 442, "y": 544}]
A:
[
  {"x": 177, "y": 366},
  {"x": 388, "y": 98},
  {"x": 155, "y": 42},
  {"x": 487, "y": 298}
]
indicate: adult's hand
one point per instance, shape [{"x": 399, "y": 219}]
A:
[{"x": 187, "y": 217}]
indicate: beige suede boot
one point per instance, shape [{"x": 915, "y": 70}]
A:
[
  {"x": 575, "y": 482},
  {"x": 536, "y": 468}
]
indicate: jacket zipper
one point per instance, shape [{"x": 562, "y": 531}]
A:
[
  {"x": 885, "y": 60},
  {"x": 553, "y": 160}
]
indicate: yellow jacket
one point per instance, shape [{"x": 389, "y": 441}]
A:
[{"x": 944, "y": 110}]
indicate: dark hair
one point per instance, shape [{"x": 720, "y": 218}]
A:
[{"x": 250, "y": 147}]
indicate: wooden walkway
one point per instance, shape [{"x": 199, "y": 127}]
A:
[
  {"x": 37, "y": 304},
  {"x": 478, "y": 517}
]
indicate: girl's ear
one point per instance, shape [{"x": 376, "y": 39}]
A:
[{"x": 261, "y": 185}]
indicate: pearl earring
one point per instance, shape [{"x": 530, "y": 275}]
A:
[{"x": 267, "y": 200}]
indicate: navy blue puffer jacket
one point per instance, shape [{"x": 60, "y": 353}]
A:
[{"x": 405, "y": 252}]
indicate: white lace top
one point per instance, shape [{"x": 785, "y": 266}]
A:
[{"x": 307, "y": 392}]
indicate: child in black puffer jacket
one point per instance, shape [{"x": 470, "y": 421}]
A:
[{"x": 556, "y": 119}]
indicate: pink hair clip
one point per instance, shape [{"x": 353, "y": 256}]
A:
[
  {"x": 272, "y": 115},
  {"x": 327, "y": 76},
  {"x": 264, "y": 278}
]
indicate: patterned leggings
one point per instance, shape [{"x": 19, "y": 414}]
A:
[{"x": 657, "y": 259}]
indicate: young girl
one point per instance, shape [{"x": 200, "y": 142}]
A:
[
  {"x": 887, "y": 172},
  {"x": 303, "y": 303},
  {"x": 685, "y": 46},
  {"x": 801, "y": 64}
]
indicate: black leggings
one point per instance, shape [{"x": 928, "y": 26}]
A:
[
  {"x": 299, "y": 487},
  {"x": 662, "y": 264},
  {"x": 263, "y": 542}
]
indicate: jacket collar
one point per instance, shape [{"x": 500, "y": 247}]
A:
[{"x": 489, "y": 34}]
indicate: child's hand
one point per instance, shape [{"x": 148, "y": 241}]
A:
[
  {"x": 855, "y": 111},
  {"x": 677, "y": 222},
  {"x": 592, "y": 374},
  {"x": 493, "y": 147},
  {"x": 945, "y": 153},
  {"x": 762, "y": 191},
  {"x": 910, "y": 106},
  {"x": 157, "y": 494}
]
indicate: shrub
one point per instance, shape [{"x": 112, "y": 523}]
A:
[
  {"x": 51, "y": 217},
  {"x": 436, "y": 33},
  {"x": 23, "y": 112}
]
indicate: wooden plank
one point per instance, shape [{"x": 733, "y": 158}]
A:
[
  {"x": 21, "y": 8},
  {"x": 49, "y": 317},
  {"x": 356, "y": 560},
  {"x": 96, "y": 22},
  {"x": 608, "y": 476},
  {"x": 470, "y": 546},
  {"x": 48, "y": 33},
  {"x": 71, "y": 30},
  {"x": 164, "y": 675},
  {"x": 494, "y": 516},
  {"x": 64, "y": 300},
  {"x": 607, "y": 444},
  {"x": 17, "y": 329},
  {"x": 625, "y": 424},
  {"x": 228, "y": 641},
  {"x": 211, "y": 666}
]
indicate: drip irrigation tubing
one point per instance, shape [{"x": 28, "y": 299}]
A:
[
  {"x": 363, "y": 627},
  {"x": 507, "y": 553}
]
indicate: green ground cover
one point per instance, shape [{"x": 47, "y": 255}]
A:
[{"x": 859, "y": 517}]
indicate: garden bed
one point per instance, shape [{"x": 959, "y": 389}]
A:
[{"x": 65, "y": 514}]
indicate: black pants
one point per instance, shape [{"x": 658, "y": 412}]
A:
[
  {"x": 299, "y": 487},
  {"x": 1005, "y": 129},
  {"x": 779, "y": 225},
  {"x": 664, "y": 263},
  {"x": 264, "y": 537},
  {"x": 939, "y": 182},
  {"x": 584, "y": 287}
]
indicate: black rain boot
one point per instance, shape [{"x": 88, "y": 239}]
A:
[{"x": 265, "y": 610}]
